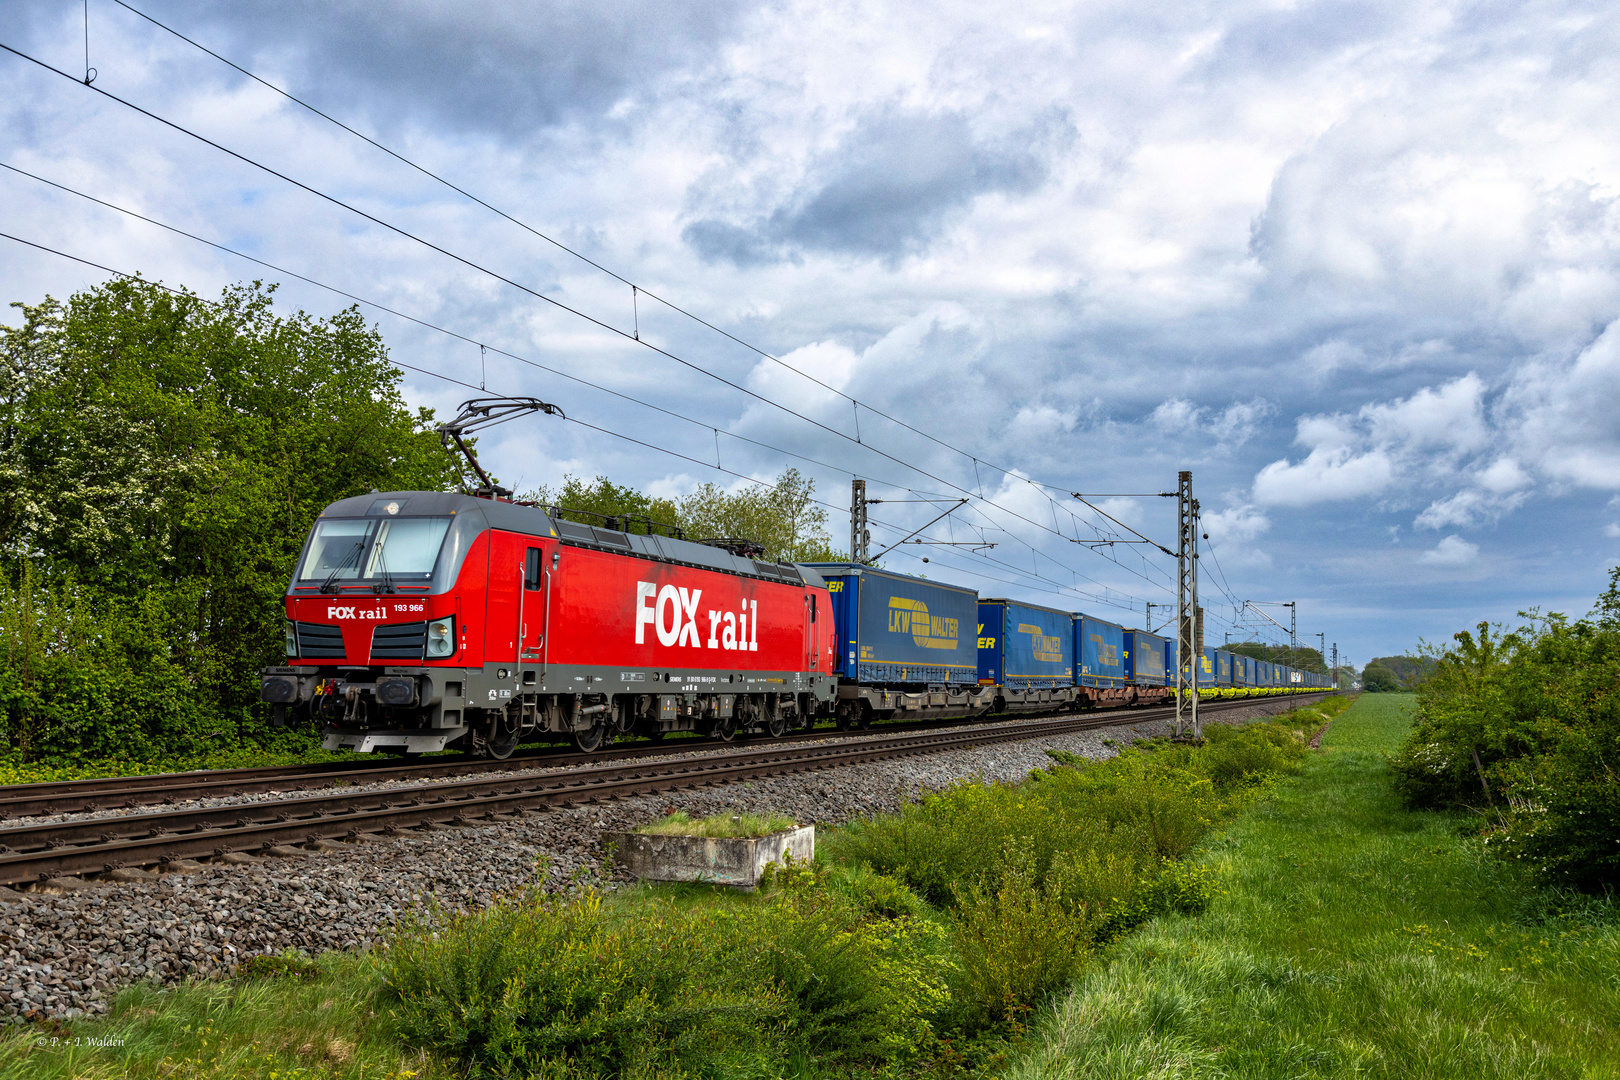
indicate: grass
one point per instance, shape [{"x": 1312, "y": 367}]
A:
[
  {"x": 1353, "y": 937},
  {"x": 317, "y": 1021},
  {"x": 720, "y": 826},
  {"x": 14, "y": 770}
]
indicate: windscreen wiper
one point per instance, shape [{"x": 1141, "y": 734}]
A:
[
  {"x": 327, "y": 585},
  {"x": 387, "y": 583}
]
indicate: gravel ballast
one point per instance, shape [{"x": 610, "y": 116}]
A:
[{"x": 63, "y": 956}]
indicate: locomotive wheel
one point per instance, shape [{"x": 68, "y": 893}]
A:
[
  {"x": 590, "y": 740},
  {"x": 502, "y": 739},
  {"x": 725, "y": 728},
  {"x": 776, "y": 725}
]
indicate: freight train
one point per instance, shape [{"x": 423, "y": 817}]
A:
[{"x": 419, "y": 621}]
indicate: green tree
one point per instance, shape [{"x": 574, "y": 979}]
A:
[
  {"x": 162, "y": 458},
  {"x": 1410, "y": 671},
  {"x": 784, "y": 517},
  {"x": 1377, "y": 679},
  {"x": 591, "y": 502}
]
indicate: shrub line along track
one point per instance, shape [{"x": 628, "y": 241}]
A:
[
  {"x": 32, "y": 853},
  {"x": 127, "y": 792}
]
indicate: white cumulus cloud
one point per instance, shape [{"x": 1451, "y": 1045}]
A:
[{"x": 1450, "y": 552}]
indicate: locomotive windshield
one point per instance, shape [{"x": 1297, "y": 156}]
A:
[{"x": 367, "y": 549}]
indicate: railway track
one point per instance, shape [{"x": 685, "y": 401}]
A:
[
  {"x": 129, "y": 792},
  {"x": 39, "y": 852}
]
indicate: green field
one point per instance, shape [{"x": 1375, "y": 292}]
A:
[{"x": 1354, "y": 938}]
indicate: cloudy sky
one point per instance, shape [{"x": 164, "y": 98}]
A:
[{"x": 1357, "y": 266}]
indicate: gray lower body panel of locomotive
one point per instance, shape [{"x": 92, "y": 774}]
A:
[{"x": 423, "y": 710}]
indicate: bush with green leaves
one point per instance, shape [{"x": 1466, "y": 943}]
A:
[
  {"x": 1035, "y": 876},
  {"x": 582, "y": 985},
  {"x": 161, "y": 460},
  {"x": 1526, "y": 724}
]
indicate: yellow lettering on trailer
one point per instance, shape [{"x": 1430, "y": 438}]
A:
[
  {"x": 907, "y": 616},
  {"x": 1047, "y": 650}
]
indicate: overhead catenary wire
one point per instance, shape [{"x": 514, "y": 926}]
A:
[
  {"x": 1058, "y": 587},
  {"x": 626, "y": 397},
  {"x": 428, "y": 325},
  {"x": 635, "y": 336},
  {"x": 635, "y": 287},
  {"x": 482, "y": 346},
  {"x": 471, "y": 264}
]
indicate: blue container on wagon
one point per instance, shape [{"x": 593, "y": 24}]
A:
[
  {"x": 895, "y": 629},
  {"x": 1243, "y": 670},
  {"x": 1023, "y": 646},
  {"x": 1206, "y": 669},
  {"x": 1224, "y": 668},
  {"x": 1099, "y": 648},
  {"x": 1144, "y": 658}
]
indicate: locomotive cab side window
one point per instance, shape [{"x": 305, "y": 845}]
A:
[{"x": 531, "y": 569}]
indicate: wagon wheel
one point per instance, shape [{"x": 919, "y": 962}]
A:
[{"x": 846, "y": 715}]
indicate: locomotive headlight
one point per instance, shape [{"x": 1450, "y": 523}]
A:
[
  {"x": 291, "y": 635},
  {"x": 441, "y": 637}
]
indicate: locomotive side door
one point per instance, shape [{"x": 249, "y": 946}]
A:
[
  {"x": 812, "y": 636},
  {"x": 534, "y": 615},
  {"x": 506, "y": 597}
]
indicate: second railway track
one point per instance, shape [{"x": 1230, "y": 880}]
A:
[{"x": 39, "y": 852}]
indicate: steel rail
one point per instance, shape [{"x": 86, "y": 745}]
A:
[
  {"x": 128, "y": 792},
  {"x": 99, "y": 845}
]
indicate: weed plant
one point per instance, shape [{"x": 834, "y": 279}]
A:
[
  {"x": 922, "y": 948},
  {"x": 547, "y": 985},
  {"x": 1034, "y": 877},
  {"x": 289, "y": 1019}
]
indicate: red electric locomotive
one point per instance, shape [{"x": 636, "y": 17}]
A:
[{"x": 422, "y": 620}]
